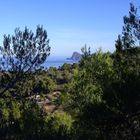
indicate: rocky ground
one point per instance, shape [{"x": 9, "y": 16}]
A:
[{"x": 47, "y": 102}]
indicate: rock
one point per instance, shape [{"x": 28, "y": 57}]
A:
[
  {"x": 49, "y": 108},
  {"x": 75, "y": 56}
]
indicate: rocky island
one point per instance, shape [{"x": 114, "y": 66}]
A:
[{"x": 75, "y": 56}]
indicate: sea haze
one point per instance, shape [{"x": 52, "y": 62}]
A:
[{"x": 57, "y": 61}]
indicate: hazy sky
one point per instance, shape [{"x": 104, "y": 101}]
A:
[{"x": 70, "y": 23}]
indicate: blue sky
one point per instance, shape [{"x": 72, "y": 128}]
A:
[{"x": 70, "y": 23}]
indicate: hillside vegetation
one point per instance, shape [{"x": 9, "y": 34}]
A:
[{"x": 96, "y": 99}]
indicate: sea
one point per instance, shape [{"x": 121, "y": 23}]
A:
[{"x": 57, "y": 61}]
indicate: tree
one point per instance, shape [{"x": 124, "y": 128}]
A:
[
  {"x": 131, "y": 30},
  {"x": 85, "y": 55},
  {"x": 21, "y": 54},
  {"x": 119, "y": 44},
  {"x": 104, "y": 94}
]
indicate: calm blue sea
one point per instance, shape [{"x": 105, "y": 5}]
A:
[{"x": 57, "y": 62}]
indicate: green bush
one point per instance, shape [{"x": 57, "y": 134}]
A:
[
  {"x": 58, "y": 125},
  {"x": 44, "y": 85}
]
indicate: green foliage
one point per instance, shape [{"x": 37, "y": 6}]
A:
[
  {"x": 66, "y": 66},
  {"x": 43, "y": 85},
  {"x": 131, "y": 30},
  {"x": 24, "y": 51},
  {"x": 104, "y": 96},
  {"x": 21, "y": 54},
  {"x": 31, "y": 123},
  {"x": 100, "y": 96},
  {"x": 62, "y": 75},
  {"x": 58, "y": 125}
]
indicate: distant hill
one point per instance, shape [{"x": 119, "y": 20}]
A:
[{"x": 75, "y": 56}]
